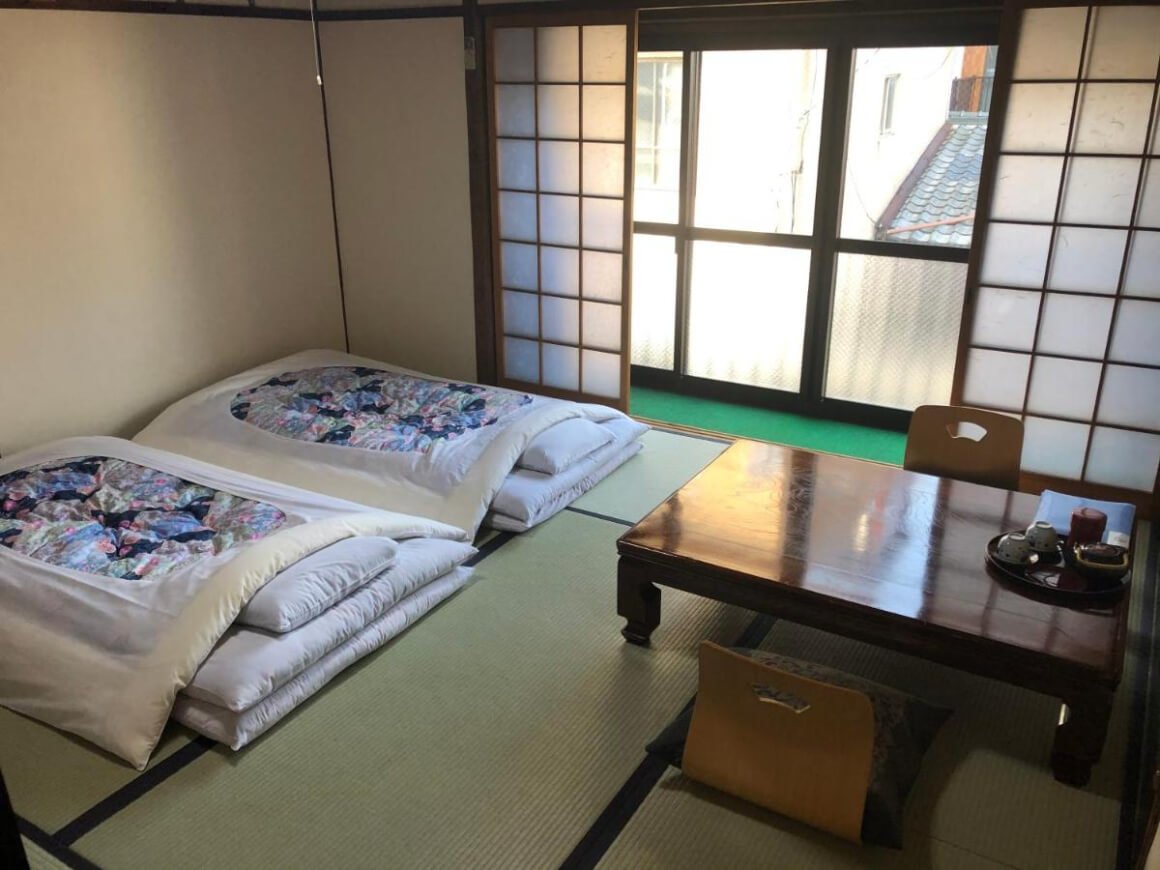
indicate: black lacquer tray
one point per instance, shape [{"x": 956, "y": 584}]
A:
[{"x": 1051, "y": 574}]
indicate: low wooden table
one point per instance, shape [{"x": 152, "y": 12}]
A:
[{"x": 881, "y": 555}]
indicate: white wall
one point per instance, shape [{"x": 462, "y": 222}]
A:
[
  {"x": 164, "y": 213},
  {"x": 398, "y": 130}
]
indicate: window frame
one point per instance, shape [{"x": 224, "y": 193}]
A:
[{"x": 767, "y": 29}]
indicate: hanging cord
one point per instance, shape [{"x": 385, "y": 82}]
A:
[
  {"x": 329, "y": 169},
  {"x": 314, "y": 33}
]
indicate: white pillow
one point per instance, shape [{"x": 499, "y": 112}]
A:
[
  {"x": 563, "y": 445},
  {"x": 308, "y": 587}
]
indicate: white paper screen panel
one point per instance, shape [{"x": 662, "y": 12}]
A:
[
  {"x": 1065, "y": 328},
  {"x": 560, "y": 136}
]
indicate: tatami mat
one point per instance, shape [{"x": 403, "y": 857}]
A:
[
  {"x": 497, "y": 731},
  {"x": 667, "y": 461}
]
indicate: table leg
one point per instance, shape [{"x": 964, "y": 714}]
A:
[
  {"x": 638, "y": 601},
  {"x": 1079, "y": 741}
]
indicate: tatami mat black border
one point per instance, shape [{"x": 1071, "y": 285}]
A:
[
  {"x": 131, "y": 791},
  {"x": 489, "y": 547},
  {"x": 54, "y": 847},
  {"x": 658, "y": 426},
  {"x": 614, "y": 818},
  {"x": 599, "y": 516},
  {"x": 1141, "y": 755}
]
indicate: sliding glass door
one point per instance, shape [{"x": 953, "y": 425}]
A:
[{"x": 802, "y": 222}]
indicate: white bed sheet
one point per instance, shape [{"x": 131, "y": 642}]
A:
[
  {"x": 454, "y": 481},
  {"x": 236, "y": 729}
]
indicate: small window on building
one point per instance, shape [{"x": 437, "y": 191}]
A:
[{"x": 889, "y": 87}]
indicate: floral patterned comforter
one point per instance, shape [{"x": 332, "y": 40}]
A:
[
  {"x": 115, "y": 518},
  {"x": 355, "y": 406}
]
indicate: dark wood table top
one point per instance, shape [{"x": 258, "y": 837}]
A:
[{"x": 865, "y": 540}]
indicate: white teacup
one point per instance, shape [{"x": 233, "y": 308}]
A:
[
  {"x": 1014, "y": 548},
  {"x": 1042, "y": 537}
]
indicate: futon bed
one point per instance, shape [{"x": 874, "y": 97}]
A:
[
  {"x": 399, "y": 440},
  {"x": 136, "y": 583}
]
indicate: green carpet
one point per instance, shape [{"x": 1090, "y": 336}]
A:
[{"x": 847, "y": 439}]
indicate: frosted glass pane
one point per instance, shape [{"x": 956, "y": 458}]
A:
[
  {"x": 1100, "y": 190},
  {"x": 1049, "y": 43},
  {"x": 1137, "y": 336},
  {"x": 1015, "y": 255},
  {"x": 657, "y": 144},
  {"x": 560, "y": 167},
  {"x": 558, "y": 54},
  {"x": 1113, "y": 118},
  {"x": 514, "y": 54},
  {"x": 1005, "y": 318},
  {"x": 604, "y": 224},
  {"x": 603, "y": 169},
  {"x": 654, "y": 300},
  {"x": 1126, "y": 459},
  {"x": 517, "y": 216},
  {"x": 560, "y": 220},
  {"x": 604, "y": 112},
  {"x": 1143, "y": 276},
  {"x": 1075, "y": 326},
  {"x": 521, "y": 360},
  {"x": 603, "y": 275},
  {"x": 518, "y": 266},
  {"x": 1063, "y": 387},
  {"x": 515, "y": 110},
  {"x": 521, "y": 314},
  {"x": 1131, "y": 397},
  {"x": 1026, "y": 188},
  {"x": 560, "y": 319},
  {"x": 1087, "y": 259},
  {"x": 605, "y": 49},
  {"x": 996, "y": 379},
  {"x": 602, "y": 373},
  {"x": 561, "y": 367},
  {"x": 1054, "y": 447},
  {"x": 602, "y": 326},
  {"x": 1038, "y": 117},
  {"x": 747, "y": 313},
  {"x": 1150, "y": 198},
  {"x": 895, "y": 330},
  {"x": 559, "y": 111},
  {"x": 560, "y": 271},
  {"x": 516, "y": 168},
  {"x": 1125, "y": 42}
]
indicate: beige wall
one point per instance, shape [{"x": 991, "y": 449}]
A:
[
  {"x": 164, "y": 213},
  {"x": 398, "y": 131}
]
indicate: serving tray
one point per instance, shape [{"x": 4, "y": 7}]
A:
[{"x": 1051, "y": 575}]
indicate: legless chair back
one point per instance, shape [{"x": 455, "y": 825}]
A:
[{"x": 987, "y": 451}]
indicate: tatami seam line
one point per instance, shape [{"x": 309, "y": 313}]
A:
[
  {"x": 600, "y": 516},
  {"x": 629, "y": 798},
  {"x": 105, "y": 809},
  {"x": 54, "y": 847},
  {"x": 489, "y": 547}
]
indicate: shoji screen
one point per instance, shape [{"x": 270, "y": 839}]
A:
[
  {"x": 561, "y": 120},
  {"x": 1066, "y": 325}
]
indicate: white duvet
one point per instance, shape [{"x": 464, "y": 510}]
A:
[
  {"x": 454, "y": 481},
  {"x": 104, "y": 657}
]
